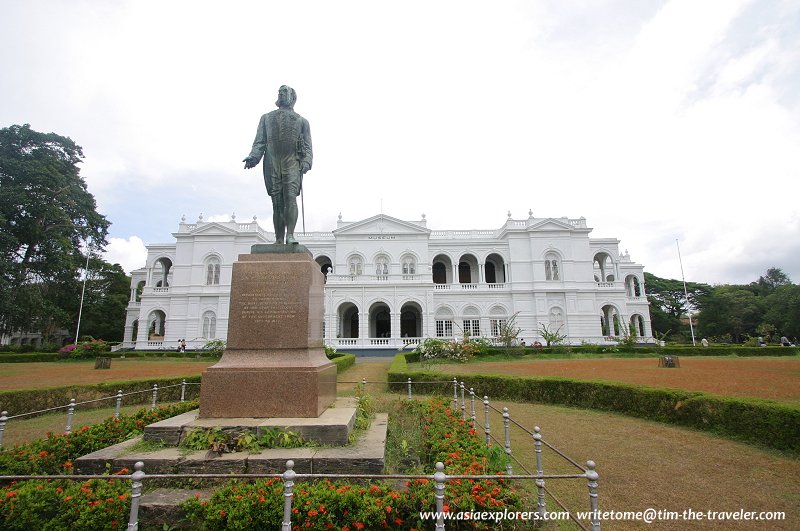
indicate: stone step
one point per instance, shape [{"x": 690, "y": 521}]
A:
[
  {"x": 364, "y": 456},
  {"x": 333, "y": 427}
]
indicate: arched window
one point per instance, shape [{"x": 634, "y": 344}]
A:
[
  {"x": 382, "y": 267},
  {"x": 556, "y": 318},
  {"x": 212, "y": 271},
  {"x": 355, "y": 265},
  {"x": 552, "y": 267},
  {"x": 409, "y": 265},
  {"x": 209, "y": 325}
]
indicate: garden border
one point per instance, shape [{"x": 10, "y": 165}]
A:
[{"x": 763, "y": 422}]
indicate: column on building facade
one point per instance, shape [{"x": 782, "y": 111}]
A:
[
  {"x": 481, "y": 274},
  {"x": 394, "y": 319}
]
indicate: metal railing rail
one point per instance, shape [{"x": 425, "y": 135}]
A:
[
  {"x": 587, "y": 472},
  {"x": 439, "y": 480},
  {"x": 459, "y": 402},
  {"x": 5, "y": 417}
]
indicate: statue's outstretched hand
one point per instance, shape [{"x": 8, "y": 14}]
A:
[
  {"x": 304, "y": 167},
  {"x": 249, "y": 162}
]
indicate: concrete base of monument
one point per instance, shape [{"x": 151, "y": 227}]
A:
[
  {"x": 267, "y": 391},
  {"x": 364, "y": 456}
]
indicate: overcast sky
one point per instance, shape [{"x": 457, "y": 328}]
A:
[{"x": 656, "y": 120}]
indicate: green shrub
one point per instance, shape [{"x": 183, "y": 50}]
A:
[
  {"x": 62, "y": 504},
  {"x": 55, "y": 454},
  {"x": 342, "y": 360},
  {"x": 214, "y": 347}
]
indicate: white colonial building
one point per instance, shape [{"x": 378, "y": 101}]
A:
[{"x": 391, "y": 282}]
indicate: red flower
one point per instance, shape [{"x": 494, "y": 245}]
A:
[
  {"x": 359, "y": 525},
  {"x": 445, "y": 508},
  {"x": 388, "y": 509}
]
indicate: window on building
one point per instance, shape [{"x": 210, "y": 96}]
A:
[
  {"x": 496, "y": 326},
  {"x": 209, "y": 325},
  {"x": 355, "y": 266},
  {"x": 409, "y": 266},
  {"x": 444, "y": 328},
  {"x": 212, "y": 271},
  {"x": 552, "y": 267},
  {"x": 382, "y": 266},
  {"x": 472, "y": 327}
]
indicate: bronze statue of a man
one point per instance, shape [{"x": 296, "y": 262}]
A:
[{"x": 283, "y": 138}]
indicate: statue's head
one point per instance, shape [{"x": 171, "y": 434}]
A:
[{"x": 286, "y": 97}]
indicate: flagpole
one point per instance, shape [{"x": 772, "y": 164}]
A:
[
  {"x": 685, "y": 292},
  {"x": 83, "y": 291}
]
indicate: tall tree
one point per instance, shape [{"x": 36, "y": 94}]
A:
[
  {"x": 105, "y": 301},
  {"x": 771, "y": 280},
  {"x": 730, "y": 310},
  {"x": 668, "y": 303},
  {"x": 783, "y": 310},
  {"x": 46, "y": 213}
]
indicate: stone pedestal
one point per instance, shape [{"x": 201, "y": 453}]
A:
[{"x": 275, "y": 363}]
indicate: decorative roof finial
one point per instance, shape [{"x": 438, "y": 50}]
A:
[
  {"x": 530, "y": 213},
  {"x": 233, "y": 216},
  {"x": 509, "y": 214},
  {"x": 340, "y": 216},
  {"x": 183, "y": 218},
  {"x": 200, "y": 217},
  {"x": 423, "y": 215}
]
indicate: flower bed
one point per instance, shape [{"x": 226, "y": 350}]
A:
[
  {"x": 348, "y": 506},
  {"x": 55, "y": 454}
]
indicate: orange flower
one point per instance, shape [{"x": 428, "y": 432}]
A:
[{"x": 359, "y": 525}]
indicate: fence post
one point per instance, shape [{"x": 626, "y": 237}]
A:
[
  {"x": 409, "y": 388},
  {"x": 3, "y": 421},
  {"x": 439, "y": 478},
  {"x": 537, "y": 446},
  {"x": 119, "y": 404},
  {"x": 288, "y": 486},
  {"x": 486, "y": 429},
  {"x": 155, "y": 396},
  {"x": 463, "y": 404},
  {"x": 472, "y": 405},
  {"x": 592, "y": 476},
  {"x": 455, "y": 394},
  {"x": 70, "y": 412},
  {"x": 183, "y": 390},
  {"x": 507, "y": 430},
  {"x": 136, "y": 494}
]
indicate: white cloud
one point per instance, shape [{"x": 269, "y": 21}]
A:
[
  {"x": 130, "y": 253},
  {"x": 654, "y": 120}
]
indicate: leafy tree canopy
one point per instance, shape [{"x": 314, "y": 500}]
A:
[{"x": 46, "y": 213}]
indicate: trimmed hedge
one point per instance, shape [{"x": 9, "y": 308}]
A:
[
  {"x": 55, "y": 356},
  {"x": 613, "y": 351},
  {"x": 26, "y": 400},
  {"x": 759, "y": 421},
  {"x": 342, "y": 360}
]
